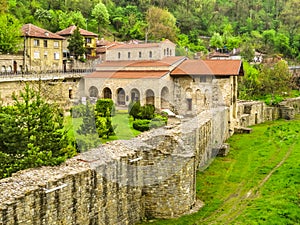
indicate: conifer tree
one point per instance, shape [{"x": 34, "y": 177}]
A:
[{"x": 76, "y": 44}]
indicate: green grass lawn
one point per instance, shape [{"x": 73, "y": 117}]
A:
[
  {"x": 257, "y": 183},
  {"x": 121, "y": 120}
]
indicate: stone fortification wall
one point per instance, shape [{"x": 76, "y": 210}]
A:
[
  {"x": 121, "y": 182},
  {"x": 255, "y": 112}
]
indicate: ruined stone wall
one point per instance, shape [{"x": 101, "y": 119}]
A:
[{"x": 153, "y": 175}]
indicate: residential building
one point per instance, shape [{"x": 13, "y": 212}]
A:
[
  {"x": 42, "y": 49},
  {"x": 90, "y": 41}
]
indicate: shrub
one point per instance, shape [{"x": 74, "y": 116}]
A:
[{"x": 141, "y": 125}]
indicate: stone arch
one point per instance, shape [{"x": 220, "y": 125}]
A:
[
  {"x": 107, "y": 93},
  {"x": 150, "y": 97},
  {"x": 121, "y": 96},
  {"x": 9, "y": 69},
  {"x": 3, "y": 69},
  {"x": 93, "y": 92},
  {"x": 135, "y": 95},
  {"x": 164, "y": 100}
]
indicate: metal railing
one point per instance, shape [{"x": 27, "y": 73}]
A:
[{"x": 49, "y": 74}]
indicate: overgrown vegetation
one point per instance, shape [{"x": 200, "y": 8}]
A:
[
  {"x": 257, "y": 183},
  {"x": 270, "y": 27},
  {"x": 31, "y": 134},
  {"x": 271, "y": 83}
]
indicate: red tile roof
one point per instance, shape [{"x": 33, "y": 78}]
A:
[
  {"x": 31, "y": 30},
  {"x": 128, "y": 74},
  {"x": 209, "y": 67},
  {"x": 68, "y": 31}
]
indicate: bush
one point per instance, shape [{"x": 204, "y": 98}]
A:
[
  {"x": 141, "y": 125},
  {"x": 105, "y": 107}
]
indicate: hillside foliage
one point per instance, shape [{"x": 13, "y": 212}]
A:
[{"x": 270, "y": 27}]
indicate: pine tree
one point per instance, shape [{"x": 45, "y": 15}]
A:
[{"x": 31, "y": 133}]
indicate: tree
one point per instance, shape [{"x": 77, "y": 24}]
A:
[
  {"x": 103, "y": 112},
  {"x": 32, "y": 133},
  {"x": 76, "y": 44},
  {"x": 100, "y": 14},
  {"x": 10, "y": 34},
  {"x": 88, "y": 126},
  {"x": 161, "y": 24}
]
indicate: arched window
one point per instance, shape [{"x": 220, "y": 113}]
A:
[
  {"x": 164, "y": 98},
  {"x": 93, "y": 92},
  {"x": 135, "y": 95},
  {"x": 128, "y": 55},
  {"x": 150, "y": 54},
  {"x": 9, "y": 69},
  {"x": 149, "y": 97},
  {"x": 119, "y": 55},
  {"x": 3, "y": 69},
  {"x": 107, "y": 93},
  {"x": 121, "y": 96}
]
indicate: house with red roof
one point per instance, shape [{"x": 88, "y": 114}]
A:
[
  {"x": 42, "y": 49},
  {"x": 90, "y": 40}
]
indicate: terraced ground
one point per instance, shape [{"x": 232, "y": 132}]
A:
[{"x": 257, "y": 183}]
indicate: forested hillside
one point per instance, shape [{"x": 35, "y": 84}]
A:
[{"x": 269, "y": 26}]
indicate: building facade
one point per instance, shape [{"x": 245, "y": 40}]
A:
[
  {"x": 42, "y": 49},
  {"x": 90, "y": 41},
  {"x": 184, "y": 86}
]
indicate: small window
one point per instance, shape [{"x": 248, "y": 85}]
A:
[
  {"x": 150, "y": 54},
  {"x": 45, "y": 43},
  {"x": 36, "y": 42},
  {"x": 36, "y": 55},
  {"x": 88, "y": 40},
  {"x": 128, "y": 55},
  {"x": 55, "y": 44},
  {"x": 203, "y": 79},
  {"x": 119, "y": 55},
  {"x": 56, "y": 55},
  {"x": 45, "y": 55},
  {"x": 140, "y": 54},
  {"x": 189, "y": 104}
]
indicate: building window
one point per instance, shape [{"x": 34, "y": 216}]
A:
[
  {"x": 140, "y": 54},
  {"x": 45, "y": 55},
  {"x": 189, "y": 104},
  {"x": 128, "y": 55},
  {"x": 56, "y": 55},
  {"x": 45, "y": 43},
  {"x": 119, "y": 55},
  {"x": 88, "y": 40},
  {"x": 36, "y": 42},
  {"x": 36, "y": 55},
  {"x": 55, "y": 44},
  {"x": 203, "y": 79},
  {"x": 150, "y": 54}
]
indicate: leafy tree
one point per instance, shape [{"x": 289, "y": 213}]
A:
[
  {"x": 216, "y": 41},
  {"x": 76, "y": 44},
  {"x": 134, "y": 109},
  {"x": 161, "y": 24},
  {"x": 32, "y": 133},
  {"x": 10, "y": 34},
  {"x": 100, "y": 14},
  {"x": 103, "y": 112}
]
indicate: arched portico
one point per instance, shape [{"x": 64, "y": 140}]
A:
[
  {"x": 164, "y": 100},
  {"x": 134, "y": 95},
  {"x": 150, "y": 97},
  {"x": 121, "y": 96},
  {"x": 107, "y": 93},
  {"x": 93, "y": 92}
]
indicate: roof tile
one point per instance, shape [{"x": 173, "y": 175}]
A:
[
  {"x": 69, "y": 31},
  {"x": 31, "y": 30}
]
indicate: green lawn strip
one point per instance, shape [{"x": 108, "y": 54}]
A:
[{"x": 225, "y": 184}]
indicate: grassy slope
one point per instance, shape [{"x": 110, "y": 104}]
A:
[{"x": 257, "y": 183}]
